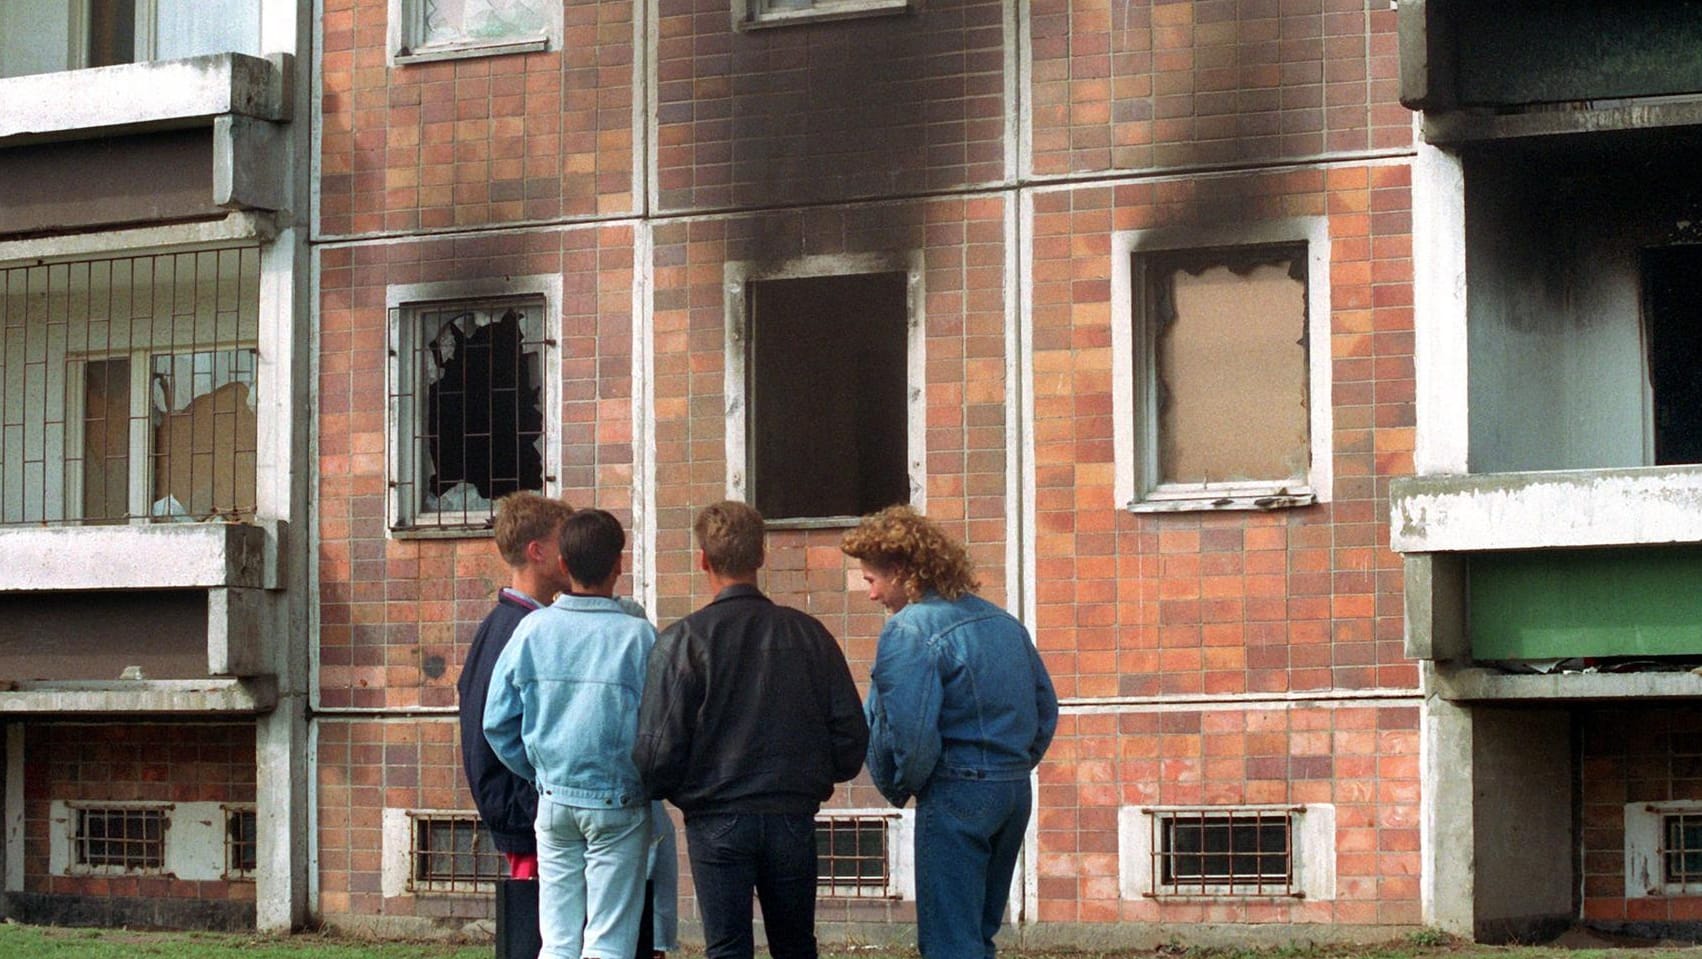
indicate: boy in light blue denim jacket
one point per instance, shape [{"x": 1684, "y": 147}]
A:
[{"x": 563, "y": 713}]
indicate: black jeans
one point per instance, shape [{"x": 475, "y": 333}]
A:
[{"x": 772, "y": 853}]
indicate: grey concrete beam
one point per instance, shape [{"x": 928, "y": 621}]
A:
[
  {"x": 155, "y": 556},
  {"x": 1488, "y": 685},
  {"x": 1571, "y": 508},
  {"x": 1434, "y": 593},
  {"x": 135, "y": 97},
  {"x": 186, "y": 697},
  {"x": 236, "y": 633},
  {"x": 249, "y": 171},
  {"x": 1465, "y": 126}
]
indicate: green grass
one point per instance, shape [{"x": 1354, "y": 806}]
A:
[{"x": 38, "y": 942}]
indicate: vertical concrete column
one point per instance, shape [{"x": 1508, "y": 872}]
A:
[{"x": 1449, "y": 886}]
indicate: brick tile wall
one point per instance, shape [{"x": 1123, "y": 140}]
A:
[
  {"x": 396, "y": 614},
  {"x": 805, "y": 113},
  {"x": 1166, "y": 83},
  {"x": 475, "y": 142},
  {"x": 1361, "y": 759},
  {"x": 131, "y": 762},
  {"x": 1211, "y": 603}
]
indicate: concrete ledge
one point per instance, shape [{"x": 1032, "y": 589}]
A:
[
  {"x": 1474, "y": 684},
  {"x": 1465, "y": 126},
  {"x": 135, "y": 97},
  {"x": 1625, "y": 507},
  {"x": 155, "y": 556},
  {"x": 175, "y": 696}
]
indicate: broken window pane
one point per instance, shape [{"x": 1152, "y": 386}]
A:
[
  {"x": 204, "y": 435},
  {"x": 480, "y": 421},
  {"x": 480, "y": 21},
  {"x": 829, "y": 394},
  {"x": 1229, "y": 353}
]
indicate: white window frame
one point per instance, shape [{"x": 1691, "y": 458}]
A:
[
  {"x": 406, "y": 27},
  {"x": 404, "y": 304},
  {"x": 900, "y": 855},
  {"x": 763, "y": 14},
  {"x": 738, "y": 276},
  {"x": 1645, "y": 870},
  {"x": 1312, "y": 853},
  {"x": 1135, "y": 432},
  {"x": 146, "y": 35}
]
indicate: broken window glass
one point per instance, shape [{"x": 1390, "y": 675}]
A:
[
  {"x": 204, "y": 435},
  {"x": 446, "y": 22},
  {"x": 1230, "y": 364},
  {"x": 481, "y": 419}
]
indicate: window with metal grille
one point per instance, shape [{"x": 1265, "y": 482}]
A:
[
  {"x": 1213, "y": 851},
  {"x": 1681, "y": 853},
  {"x": 467, "y": 397},
  {"x": 242, "y": 844},
  {"x": 852, "y": 856},
  {"x": 128, "y": 389},
  {"x": 124, "y": 838},
  {"x": 452, "y": 853}
]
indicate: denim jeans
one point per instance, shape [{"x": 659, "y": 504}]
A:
[
  {"x": 968, "y": 834},
  {"x": 773, "y": 853},
  {"x": 591, "y": 865}
]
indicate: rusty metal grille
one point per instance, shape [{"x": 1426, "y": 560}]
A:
[
  {"x": 467, "y": 397},
  {"x": 1681, "y": 851},
  {"x": 1214, "y": 852},
  {"x": 851, "y": 856},
  {"x": 124, "y": 838},
  {"x": 452, "y": 853},
  {"x": 128, "y": 389},
  {"x": 242, "y": 842}
]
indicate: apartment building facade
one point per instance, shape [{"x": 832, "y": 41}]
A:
[
  {"x": 154, "y": 461},
  {"x": 1119, "y": 293}
]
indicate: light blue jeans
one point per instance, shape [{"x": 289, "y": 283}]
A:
[{"x": 591, "y": 865}]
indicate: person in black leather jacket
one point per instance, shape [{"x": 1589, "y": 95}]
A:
[{"x": 749, "y": 718}]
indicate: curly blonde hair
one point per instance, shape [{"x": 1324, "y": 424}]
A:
[{"x": 919, "y": 554}]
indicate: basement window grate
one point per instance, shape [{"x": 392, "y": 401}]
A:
[
  {"x": 851, "y": 856},
  {"x": 1218, "y": 852},
  {"x": 124, "y": 838},
  {"x": 452, "y": 854}
]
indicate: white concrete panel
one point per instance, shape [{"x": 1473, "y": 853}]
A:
[
  {"x": 157, "y": 556},
  {"x": 58, "y": 105},
  {"x": 1651, "y": 505}
]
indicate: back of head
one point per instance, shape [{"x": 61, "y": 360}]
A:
[
  {"x": 522, "y": 518},
  {"x": 591, "y": 544},
  {"x": 914, "y": 548},
  {"x": 730, "y": 534}
]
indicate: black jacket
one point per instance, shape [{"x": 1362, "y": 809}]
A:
[
  {"x": 748, "y": 707},
  {"x": 506, "y": 803}
]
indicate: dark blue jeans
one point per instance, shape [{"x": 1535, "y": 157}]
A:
[
  {"x": 772, "y": 853},
  {"x": 968, "y": 834}
]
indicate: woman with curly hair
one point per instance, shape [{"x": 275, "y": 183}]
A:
[{"x": 960, "y": 710}]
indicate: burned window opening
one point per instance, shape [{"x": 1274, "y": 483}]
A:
[
  {"x": 471, "y": 401},
  {"x": 1229, "y": 341},
  {"x": 1672, "y": 310},
  {"x": 828, "y": 394}
]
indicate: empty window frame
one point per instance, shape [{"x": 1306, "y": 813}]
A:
[
  {"x": 753, "y": 14},
  {"x": 129, "y": 389},
  {"x": 1222, "y": 395},
  {"x": 1672, "y": 301},
  {"x": 1228, "y": 851},
  {"x": 829, "y": 368},
  {"x": 242, "y": 842},
  {"x": 452, "y": 853},
  {"x": 422, "y": 30},
  {"x": 468, "y": 393},
  {"x": 122, "y": 839},
  {"x": 46, "y": 36}
]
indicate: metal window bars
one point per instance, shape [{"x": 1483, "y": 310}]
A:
[
  {"x": 128, "y": 389},
  {"x": 121, "y": 838},
  {"x": 452, "y": 853},
  {"x": 242, "y": 842},
  {"x": 1213, "y": 851},
  {"x": 1681, "y": 848},
  {"x": 851, "y": 856},
  {"x": 467, "y": 404}
]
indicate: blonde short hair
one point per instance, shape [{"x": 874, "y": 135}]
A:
[
  {"x": 522, "y": 518},
  {"x": 730, "y": 534}
]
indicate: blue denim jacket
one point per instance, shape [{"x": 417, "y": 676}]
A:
[
  {"x": 957, "y": 691},
  {"x": 563, "y": 705}
]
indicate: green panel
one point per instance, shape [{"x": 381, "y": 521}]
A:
[{"x": 1550, "y": 604}]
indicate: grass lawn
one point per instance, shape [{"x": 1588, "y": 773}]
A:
[{"x": 40, "y": 942}]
